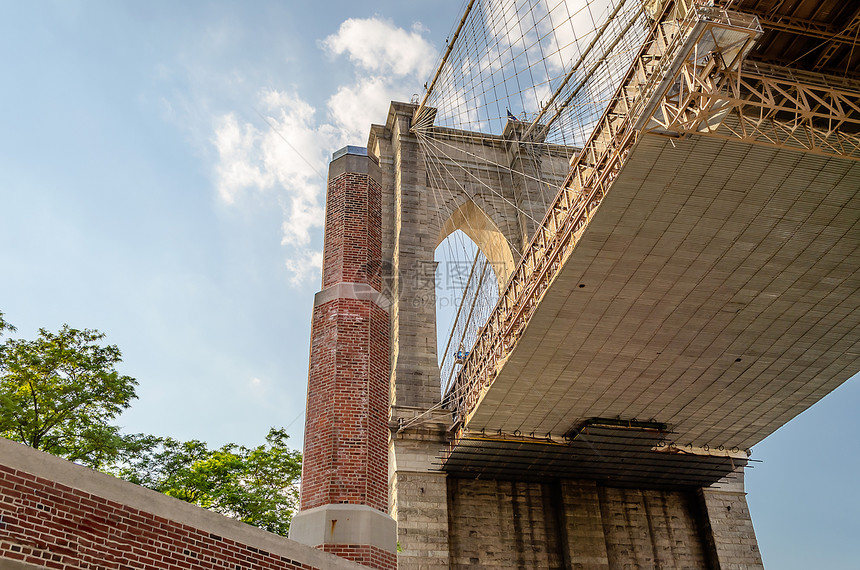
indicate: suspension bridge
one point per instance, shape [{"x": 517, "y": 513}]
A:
[
  {"x": 692, "y": 286},
  {"x": 649, "y": 213},
  {"x": 662, "y": 206}
]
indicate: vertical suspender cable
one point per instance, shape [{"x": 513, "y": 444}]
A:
[
  {"x": 573, "y": 70},
  {"x": 417, "y": 118},
  {"x": 592, "y": 70},
  {"x": 459, "y": 308}
]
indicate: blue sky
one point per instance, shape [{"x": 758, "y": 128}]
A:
[{"x": 161, "y": 179}]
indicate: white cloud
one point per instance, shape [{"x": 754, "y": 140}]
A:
[
  {"x": 287, "y": 158},
  {"x": 354, "y": 108},
  {"x": 304, "y": 266},
  {"x": 390, "y": 65},
  {"x": 285, "y": 154},
  {"x": 238, "y": 166},
  {"x": 379, "y": 46}
]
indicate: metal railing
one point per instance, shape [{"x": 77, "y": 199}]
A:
[{"x": 480, "y": 294}]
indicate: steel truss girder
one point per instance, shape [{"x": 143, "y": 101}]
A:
[
  {"x": 782, "y": 112},
  {"x": 803, "y": 27}
]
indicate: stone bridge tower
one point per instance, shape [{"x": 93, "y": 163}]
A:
[
  {"x": 467, "y": 186},
  {"x": 377, "y": 427}
]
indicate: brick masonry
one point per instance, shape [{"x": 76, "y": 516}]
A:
[
  {"x": 363, "y": 554},
  {"x": 346, "y": 426},
  {"x": 346, "y": 448},
  {"x": 54, "y": 514},
  {"x": 345, "y": 453},
  {"x": 353, "y": 229}
]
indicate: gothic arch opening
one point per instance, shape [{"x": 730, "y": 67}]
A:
[
  {"x": 477, "y": 225},
  {"x": 467, "y": 290}
]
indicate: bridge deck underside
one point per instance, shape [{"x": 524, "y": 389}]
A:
[
  {"x": 620, "y": 457},
  {"x": 715, "y": 290}
]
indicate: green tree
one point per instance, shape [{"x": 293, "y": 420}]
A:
[
  {"x": 4, "y": 326},
  {"x": 61, "y": 392},
  {"x": 257, "y": 485}
]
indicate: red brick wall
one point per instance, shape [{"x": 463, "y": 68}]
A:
[
  {"x": 52, "y": 525},
  {"x": 346, "y": 427},
  {"x": 353, "y": 231},
  {"x": 366, "y": 555},
  {"x": 346, "y": 446}
]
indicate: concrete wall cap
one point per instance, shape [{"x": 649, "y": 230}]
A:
[
  {"x": 345, "y": 523},
  {"x": 356, "y": 150},
  {"x": 357, "y": 291},
  {"x": 354, "y": 163}
]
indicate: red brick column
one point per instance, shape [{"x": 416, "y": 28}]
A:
[{"x": 344, "y": 498}]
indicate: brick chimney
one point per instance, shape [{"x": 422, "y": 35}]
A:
[{"x": 344, "y": 495}]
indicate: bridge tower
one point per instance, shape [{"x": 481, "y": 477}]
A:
[
  {"x": 670, "y": 294},
  {"x": 482, "y": 202},
  {"x": 447, "y": 520}
]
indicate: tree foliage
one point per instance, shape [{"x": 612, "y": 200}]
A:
[
  {"x": 61, "y": 392},
  {"x": 4, "y": 326},
  {"x": 257, "y": 485}
]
